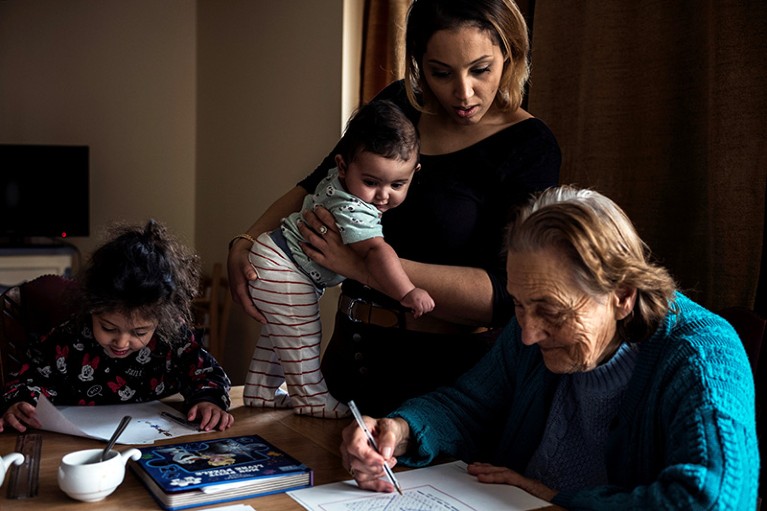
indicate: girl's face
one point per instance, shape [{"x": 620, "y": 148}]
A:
[
  {"x": 380, "y": 181},
  {"x": 463, "y": 69},
  {"x": 574, "y": 331},
  {"x": 120, "y": 335}
]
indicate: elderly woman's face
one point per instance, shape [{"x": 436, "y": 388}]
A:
[{"x": 574, "y": 331}]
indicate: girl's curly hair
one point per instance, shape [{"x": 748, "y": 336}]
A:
[{"x": 145, "y": 271}]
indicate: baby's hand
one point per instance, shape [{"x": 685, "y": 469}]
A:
[
  {"x": 419, "y": 301},
  {"x": 210, "y": 416},
  {"x": 20, "y": 415}
]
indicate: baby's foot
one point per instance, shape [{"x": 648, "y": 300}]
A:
[
  {"x": 325, "y": 410},
  {"x": 281, "y": 399}
]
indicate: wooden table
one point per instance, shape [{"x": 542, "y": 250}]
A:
[{"x": 313, "y": 441}]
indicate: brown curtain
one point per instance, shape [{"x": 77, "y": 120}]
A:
[
  {"x": 383, "y": 58},
  {"x": 662, "y": 106}
]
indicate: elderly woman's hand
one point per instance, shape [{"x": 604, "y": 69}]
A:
[
  {"x": 363, "y": 462},
  {"x": 487, "y": 473}
]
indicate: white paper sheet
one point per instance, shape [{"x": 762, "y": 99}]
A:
[
  {"x": 446, "y": 487},
  {"x": 146, "y": 426}
]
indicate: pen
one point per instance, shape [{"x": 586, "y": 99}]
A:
[
  {"x": 180, "y": 420},
  {"x": 372, "y": 441}
]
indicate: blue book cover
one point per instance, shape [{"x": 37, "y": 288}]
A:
[{"x": 207, "y": 471}]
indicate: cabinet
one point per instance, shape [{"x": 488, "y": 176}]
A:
[{"x": 19, "y": 264}]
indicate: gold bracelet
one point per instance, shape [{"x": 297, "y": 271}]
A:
[{"x": 243, "y": 236}]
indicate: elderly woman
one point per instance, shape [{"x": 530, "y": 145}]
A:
[{"x": 610, "y": 389}]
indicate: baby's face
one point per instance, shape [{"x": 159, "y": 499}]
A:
[
  {"x": 377, "y": 180},
  {"x": 120, "y": 334}
]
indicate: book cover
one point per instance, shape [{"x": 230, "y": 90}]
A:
[{"x": 208, "y": 471}]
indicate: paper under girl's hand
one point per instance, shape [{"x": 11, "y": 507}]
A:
[
  {"x": 210, "y": 416},
  {"x": 21, "y": 416},
  {"x": 419, "y": 301}
]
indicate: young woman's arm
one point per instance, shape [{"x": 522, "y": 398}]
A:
[{"x": 238, "y": 266}]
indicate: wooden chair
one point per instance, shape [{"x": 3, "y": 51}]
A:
[
  {"x": 28, "y": 311},
  {"x": 752, "y": 330},
  {"x": 212, "y": 310}
]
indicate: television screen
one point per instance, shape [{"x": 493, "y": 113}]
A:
[{"x": 44, "y": 191}]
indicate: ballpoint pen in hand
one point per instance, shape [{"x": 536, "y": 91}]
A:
[{"x": 373, "y": 444}]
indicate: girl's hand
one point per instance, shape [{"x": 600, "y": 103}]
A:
[
  {"x": 210, "y": 416},
  {"x": 20, "y": 415},
  {"x": 363, "y": 462},
  {"x": 487, "y": 473},
  {"x": 325, "y": 247},
  {"x": 240, "y": 272}
]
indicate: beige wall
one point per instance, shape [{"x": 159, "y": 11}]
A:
[
  {"x": 119, "y": 77},
  {"x": 198, "y": 113},
  {"x": 269, "y": 102}
]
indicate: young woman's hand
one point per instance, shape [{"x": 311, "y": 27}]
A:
[
  {"x": 210, "y": 416},
  {"x": 364, "y": 463},
  {"x": 240, "y": 272},
  {"x": 21, "y": 416},
  {"x": 325, "y": 247}
]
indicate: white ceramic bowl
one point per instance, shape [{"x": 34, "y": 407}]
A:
[{"x": 84, "y": 477}]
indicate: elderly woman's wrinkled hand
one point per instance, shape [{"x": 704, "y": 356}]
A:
[
  {"x": 363, "y": 462},
  {"x": 491, "y": 474}
]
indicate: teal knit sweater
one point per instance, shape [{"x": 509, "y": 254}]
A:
[{"x": 684, "y": 436}]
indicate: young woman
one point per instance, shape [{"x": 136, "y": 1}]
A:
[{"x": 481, "y": 154}]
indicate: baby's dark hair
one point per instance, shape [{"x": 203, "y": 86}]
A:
[
  {"x": 142, "y": 270},
  {"x": 380, "y": 127}
]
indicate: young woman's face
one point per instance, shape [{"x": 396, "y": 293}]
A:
[
  {"x": 382, "y": 182},
  {"x": 463, "y": 69},
  {"x": 574, "y": 331},
  {"x": 121, "y": 335}
]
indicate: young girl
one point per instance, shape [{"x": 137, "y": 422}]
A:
[
  {"x": 131, "y": 340},
  {"x": 375, "y": 166}
]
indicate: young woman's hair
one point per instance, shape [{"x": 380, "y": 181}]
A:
[
  {"x": 500, "y": 19},
  {"x": 380, "y": 127},
  {"x": 142, "y": 270},
  {"x": 603, "y": 249}
]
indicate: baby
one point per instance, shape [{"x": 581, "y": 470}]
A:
[{"x": 377, "y": 160}]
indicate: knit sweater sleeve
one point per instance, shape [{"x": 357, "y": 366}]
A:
[
  {"x": 454, "y": 420},
  {"x": 695, "y": 446}
]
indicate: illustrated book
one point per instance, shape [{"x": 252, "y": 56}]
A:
[{"x": 190, "y": 474}]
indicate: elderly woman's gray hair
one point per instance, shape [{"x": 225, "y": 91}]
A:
[{"x": 602, "y": 247}]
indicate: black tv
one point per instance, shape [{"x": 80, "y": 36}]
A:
[{"x": 44, "y": 192}]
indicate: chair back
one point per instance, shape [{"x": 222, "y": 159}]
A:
[
  {"x": 27, "y": 311},
  {"x": 211, "y": 311}
]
